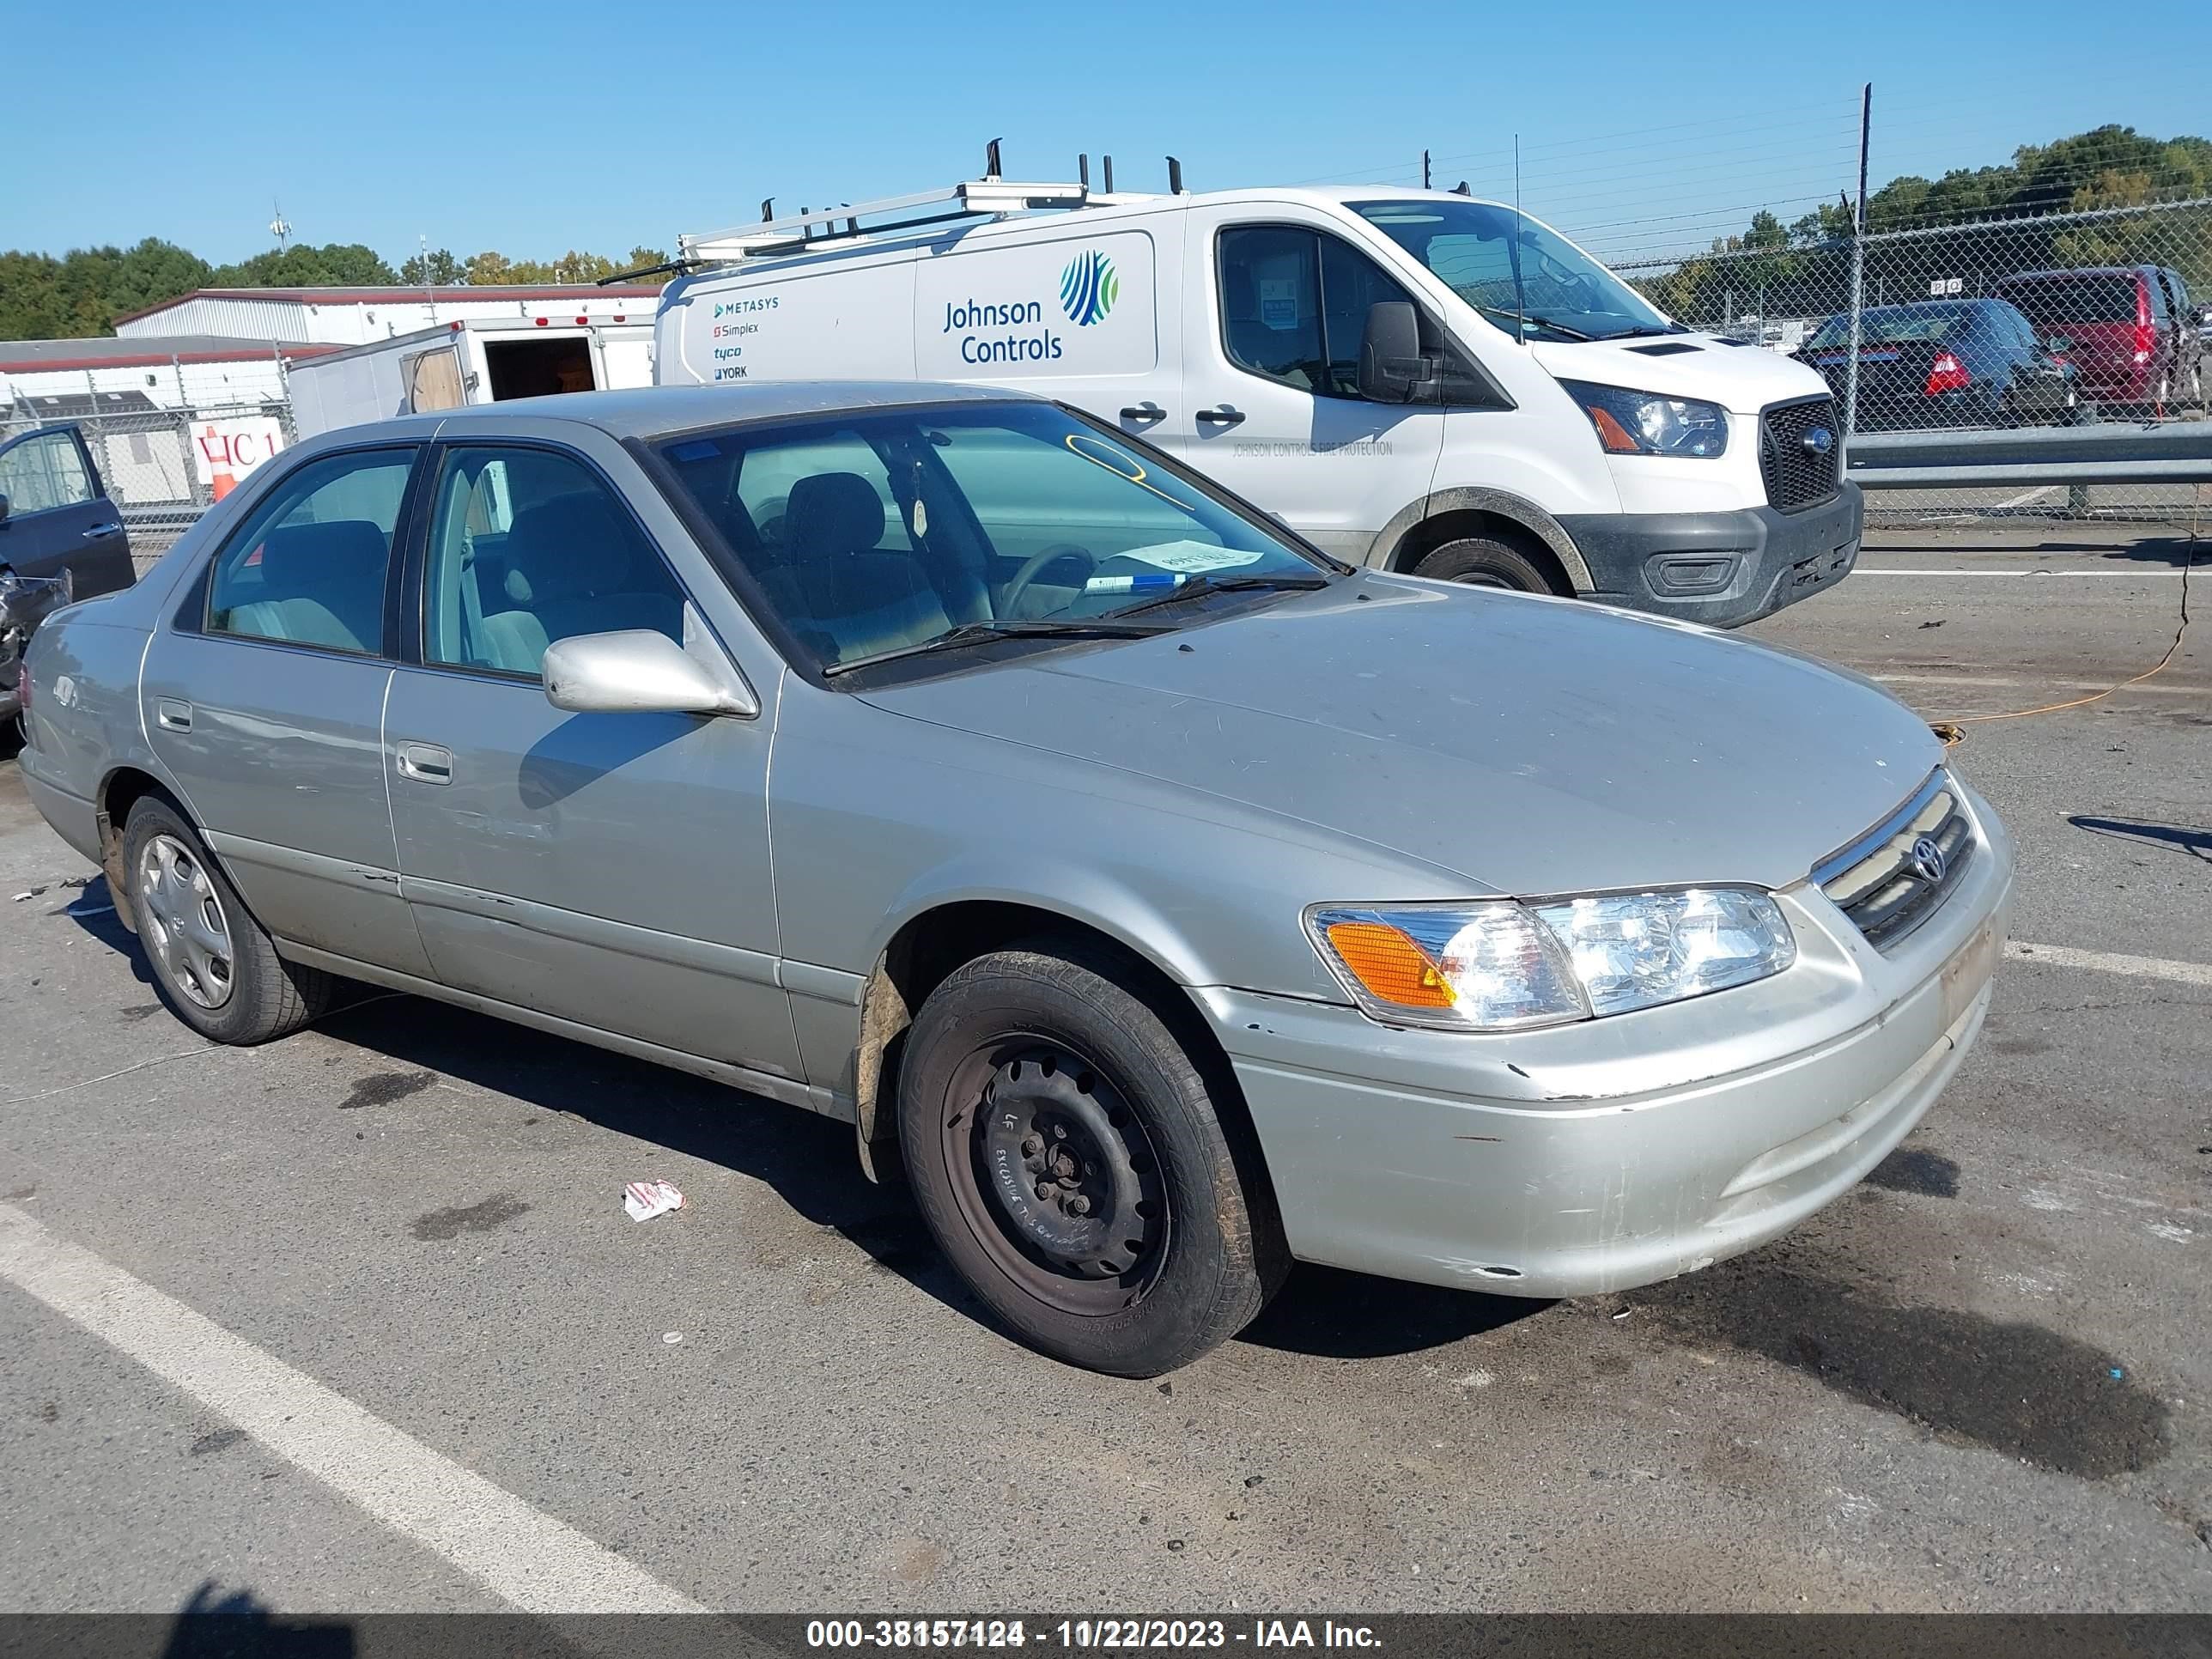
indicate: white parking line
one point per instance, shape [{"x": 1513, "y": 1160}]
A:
[
  {"x": 1879, "y": 570},
  {"x": 2106, "y": 962},
  {"x": 2023, "y": 499},
  {"x": 519, "y": 1553}
]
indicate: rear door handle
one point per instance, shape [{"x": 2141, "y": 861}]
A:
[
  {"x": 1220, "y": 416},
  {"x": 99, "y": 529},
  {"x": 425, "y": 762},
  {"x": 1146, "y": 412},
  {"x": 173, "y": 715}
]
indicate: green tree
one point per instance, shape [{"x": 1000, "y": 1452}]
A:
[
  {"x": 437, "y": 269},
  {"x": 335, "y": 264}
]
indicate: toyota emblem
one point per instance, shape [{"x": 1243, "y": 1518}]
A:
[{"x": 1926, "y": 860}]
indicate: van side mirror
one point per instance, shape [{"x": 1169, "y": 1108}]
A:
[
  {"x": 637, "y": 672},
  {"x": 1392, "y": 369}
]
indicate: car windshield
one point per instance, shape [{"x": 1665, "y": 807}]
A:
[
  {"x": 1518, "y": 276},
  {"x": 874, "y": 535},
  {"x": 1892, "y": 325}
]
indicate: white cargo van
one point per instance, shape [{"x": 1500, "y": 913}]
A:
[
  {"x": 1413, "y": 379},
  {"x": 476, "y": 360}
]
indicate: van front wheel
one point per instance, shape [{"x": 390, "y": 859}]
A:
[{"x": 1480, "y": 562}]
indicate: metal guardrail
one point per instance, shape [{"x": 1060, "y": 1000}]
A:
[{"x": 2167, "y": 453}]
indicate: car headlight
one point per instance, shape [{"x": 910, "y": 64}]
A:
[
  {"x": 1499, "y": 965},
  {"x": 1649, "y": 422}
]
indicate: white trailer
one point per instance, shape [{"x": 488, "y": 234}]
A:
[{"x": 474, "y": 361}]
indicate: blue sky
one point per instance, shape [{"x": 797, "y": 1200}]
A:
[{"x": 533, "y": 129}]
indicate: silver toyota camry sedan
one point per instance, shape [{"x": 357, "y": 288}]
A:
[{"x": 1166, "y": 900}]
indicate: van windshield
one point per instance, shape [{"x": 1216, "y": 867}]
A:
[
  {"x": 875, "y": 535},
  {"x": 1521, "y": 277}
]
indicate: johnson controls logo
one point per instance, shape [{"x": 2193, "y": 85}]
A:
[{"x": 1088, "y": 288}]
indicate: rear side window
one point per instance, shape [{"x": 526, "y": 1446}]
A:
[{"x": 309, "y": 566}]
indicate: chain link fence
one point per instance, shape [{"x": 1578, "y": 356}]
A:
[
  {"x": 169, "y": 444},
  {"x": 2070, "y": 318}
]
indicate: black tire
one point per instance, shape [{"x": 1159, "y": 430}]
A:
[
  {"x": 1090, "y": 1096},
  {"x": 184, "y": 904},
  {"x": 1484, "y": 562}
]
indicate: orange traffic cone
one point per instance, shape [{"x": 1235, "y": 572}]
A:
[{"x": 217, "y": 451}]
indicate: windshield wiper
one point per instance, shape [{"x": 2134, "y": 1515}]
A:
[
  {"x": 1009, "y": 628},
  {"x": 1198, "y": 585},
  {"x": 1530, "y": 317},
  {"x": 1644, "y": 331}
]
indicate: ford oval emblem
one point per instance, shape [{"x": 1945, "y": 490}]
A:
[
  {"x": 1926, "y": 860},
  {"x": 1818, "y": 440}
]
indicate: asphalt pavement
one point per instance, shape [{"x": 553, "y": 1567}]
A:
[{"x": 266, "y": 1316}]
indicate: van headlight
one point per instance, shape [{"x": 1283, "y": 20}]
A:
[
  {"x": 1500, "y": 965},
  {"x": 1650, "y": 423}
]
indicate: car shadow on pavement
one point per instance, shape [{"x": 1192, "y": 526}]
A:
[
  {"x": 2197, "y": 843},
  {"x": 1330, "y": 1314}
]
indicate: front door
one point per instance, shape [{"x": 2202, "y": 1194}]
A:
[
  {"x": 1274, "y": 314},
  {"x": 58, "y": 519},
  {"x": 610, "y": 870},
  {"x": 264, "y": 697}
]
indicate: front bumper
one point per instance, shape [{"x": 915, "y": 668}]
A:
[
  {"x": 1619, "y": 1152},
  {"x": 1720, "y": 569}
]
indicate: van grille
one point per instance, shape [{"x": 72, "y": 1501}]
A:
[
  {"x": 1883, "y": 880},
  {"x": 1796, "y": 477}
]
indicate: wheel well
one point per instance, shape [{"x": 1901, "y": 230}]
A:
[
  {"x": 1426, "y": 537},
  {"x": 924, "y": 953},
  {"x": 120, "y": 791}
]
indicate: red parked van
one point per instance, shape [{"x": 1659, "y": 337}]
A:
[{"x": 2128, "y": 329}]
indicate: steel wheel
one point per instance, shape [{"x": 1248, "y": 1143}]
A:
[
  {"x": 181, "y": 917},
  {"x": 1056, "y": 1176}
]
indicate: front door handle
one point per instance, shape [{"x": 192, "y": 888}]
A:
[
  {"x": 425, "y": 762},
  {"x": 1144, "y": 412},
  {"x": 173, "y": 715},
  {"x": 1220, "y": 416},
  {"x": 99, "y": 529}
]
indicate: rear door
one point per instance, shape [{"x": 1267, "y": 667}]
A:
[
  {"x": 58, "y": 516},
  {"x": 264, "y": 697}
]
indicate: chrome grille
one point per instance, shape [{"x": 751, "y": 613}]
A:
[
  {"x": 1796, "y": 477},
  {"x": 1886, "y": 881}
]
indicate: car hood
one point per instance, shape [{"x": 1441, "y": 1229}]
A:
[
  {"x": 1740, "y": 378},
  {"x": 1528, "y": 745}
]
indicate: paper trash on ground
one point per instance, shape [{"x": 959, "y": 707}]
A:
[{"x": 645, "y": 1199}]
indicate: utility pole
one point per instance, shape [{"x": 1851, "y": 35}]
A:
[{"x": 1858, "y": 280}]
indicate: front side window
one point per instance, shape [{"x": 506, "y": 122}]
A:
[
  {"x": 308, "y": 566},
  {"x": 1886, "y": 325},
  {"x": 1517, "y": 275},
  {"x": 44, "y": 471},
  {"x": 869, "y": 536},
  {"x": 1294, "y": 305},
  {"x": 528, "y": 546}
]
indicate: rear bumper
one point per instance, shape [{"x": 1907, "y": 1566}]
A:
[
  {"x": 1584, "y": 1158},
  {"x": 1720, "y": 569}
]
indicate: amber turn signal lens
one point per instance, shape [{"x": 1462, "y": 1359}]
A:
[
  {"x": 1613, "y": 435},
  {"x": 1390, "y": 965}
]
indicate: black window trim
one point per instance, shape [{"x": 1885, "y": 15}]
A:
[
  {"x": 196, "y": 605},
  {"x": 414, "y": 596},
  {"x": 1494, "y": 396}
]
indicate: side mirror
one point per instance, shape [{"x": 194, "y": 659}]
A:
[
  {"x": 638, "y": 672},
  {"x": 1392, "y": 369},
  {"x": 2057, "y": 343}
]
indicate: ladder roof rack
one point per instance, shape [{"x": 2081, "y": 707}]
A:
[{"x": 970, "y": 199}]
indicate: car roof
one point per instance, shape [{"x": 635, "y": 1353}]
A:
[
  {"x": 651, "y": 411},
  {"x": 2076, "y": 270}
]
